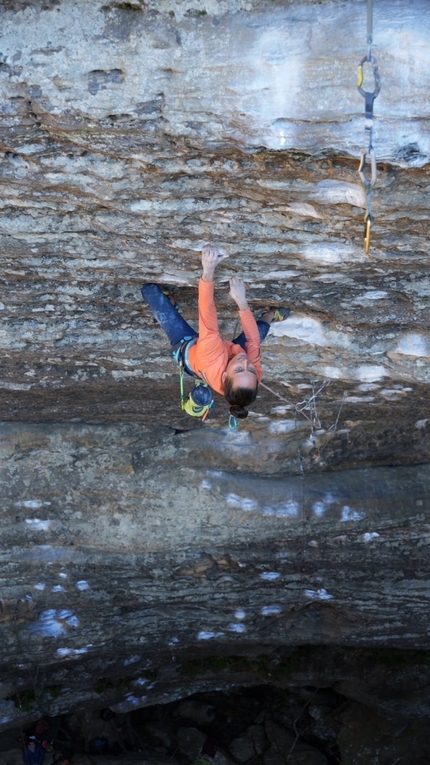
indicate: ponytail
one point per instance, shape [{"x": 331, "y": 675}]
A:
[{"x": 239, "y": 412}]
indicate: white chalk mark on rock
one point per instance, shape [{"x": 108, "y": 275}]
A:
[
  {"x": 82, "y": 585},
  {"x": 320, "y": 594},
  {"x": 271, "y": 610},
  {"x": 318, "y": 509},
  {"x": 369, "y": 535},
  {"x": 203, "y": 635},
  {"x": 233, "y": 627},
  {"x": 349, "y": 514},
  {"x": 37, "y": 524}
]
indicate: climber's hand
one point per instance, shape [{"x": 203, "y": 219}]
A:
[
  {"x": 211, "y": 257},
  {"x": 238, "y": 292}
]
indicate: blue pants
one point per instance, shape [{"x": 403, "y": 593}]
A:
[{"x": 171, "y": 321}]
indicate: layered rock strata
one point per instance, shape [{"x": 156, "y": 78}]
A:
[
  {"x": 113, "y": 566},
  {"x": 130, "y": 134}
]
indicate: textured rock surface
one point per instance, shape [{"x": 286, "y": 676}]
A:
[
  {"x": 115, "y": 569},
  {"x": 131, "y": 133}
]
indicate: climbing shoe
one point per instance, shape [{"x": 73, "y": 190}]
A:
[
  {"x": 279, "y": 314},
  {"x": 168, "y": 294}
]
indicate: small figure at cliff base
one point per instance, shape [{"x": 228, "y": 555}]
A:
[{"x": 33, "y": 753}]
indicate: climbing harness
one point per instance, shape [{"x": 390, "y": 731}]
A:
[
  {"x": 368, "y": 176},
  {"x": 199, "y": 400}
]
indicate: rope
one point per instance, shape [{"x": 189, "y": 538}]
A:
[
  {"x": 369, "y": 27},
  {"x": 181, "y": 385},
  {"x": 368, "y": 176}
]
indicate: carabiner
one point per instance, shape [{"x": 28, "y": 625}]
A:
[
  {"x": 367, "y": 226},
  {"x": 368, "y": 182},
  {"x": 372, "y": 60}
]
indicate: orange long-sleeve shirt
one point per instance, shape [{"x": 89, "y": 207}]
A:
[{"x": 210, "y": 355}]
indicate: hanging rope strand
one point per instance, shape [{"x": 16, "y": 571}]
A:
[
  {"x": 369, "y": 28},
  {"x": 368, "y": 175}
]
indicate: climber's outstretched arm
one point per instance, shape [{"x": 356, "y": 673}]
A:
[{"x": 238, "y": 292}]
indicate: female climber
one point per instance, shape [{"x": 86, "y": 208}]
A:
[{"x": 231, "y": 368}]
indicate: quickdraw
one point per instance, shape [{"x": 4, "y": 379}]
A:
[{"x": 368, "y": 157}]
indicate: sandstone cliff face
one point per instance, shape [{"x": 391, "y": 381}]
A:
[{"x": 131, "y": 133}]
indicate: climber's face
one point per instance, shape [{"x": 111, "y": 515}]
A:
[{"x": 241, "y": 372}]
